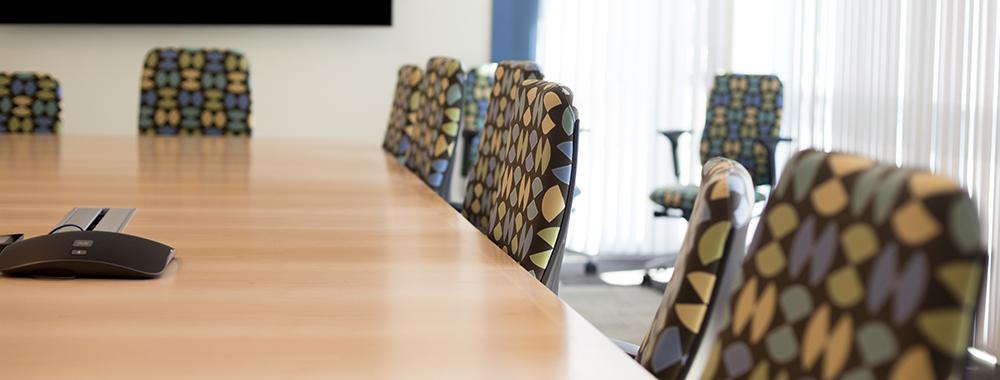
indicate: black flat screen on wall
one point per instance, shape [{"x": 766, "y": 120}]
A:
[{"x": 363, "y": 12}]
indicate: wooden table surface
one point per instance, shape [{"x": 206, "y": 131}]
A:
[{"x": 296, "y": 259}]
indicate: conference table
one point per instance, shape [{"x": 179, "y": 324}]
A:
[{"x": 295, "y": 259}]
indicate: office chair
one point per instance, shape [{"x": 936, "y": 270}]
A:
[
  {"x": 187, "y": 91},
  {"x": 482, "y": 183},
  {"x": 535, "y": 172},
  {"x": 478, "y": 85},
  {"x": 438, "y": 121},
  {"x": 742, "y": 123},
  {"x": 713, "y": 248},
  {"x": 403, "y": 115},
  {"x": 29, "y": 103},
  {"x": 858, "y": 270}
]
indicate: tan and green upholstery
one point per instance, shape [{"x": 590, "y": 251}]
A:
[
  {"x": 478, "y": 85},
  {"x": 713, "y": 247},
  {"x": 187, "y": 91},
  {"x": 403, "y": 116},
  {"x": 439, "y": 120},
  {"x": 682, "y": 197},
  {"x": 742, "y": 123},
  {"x": 29, "y": 103},
  {"x": 858, "y": 270},
  {"x": 482, "y": 184},
  {"x": 536, "y": 173}
]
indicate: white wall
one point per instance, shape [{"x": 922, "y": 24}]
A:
[{"x": 306, "y": 81}]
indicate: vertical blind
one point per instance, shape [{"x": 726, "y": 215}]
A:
[
  {"x": 910, "y": 82},
  {"x": 913, "y": 82},
  {"x": 635, "y": 67}
]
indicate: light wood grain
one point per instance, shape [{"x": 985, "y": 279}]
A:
[{"x": 296, "y": 259}]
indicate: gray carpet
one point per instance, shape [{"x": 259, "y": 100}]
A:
[{"x": 621, "y": 312}]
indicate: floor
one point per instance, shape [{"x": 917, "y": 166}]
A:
[{"x": 623, "y": 312}]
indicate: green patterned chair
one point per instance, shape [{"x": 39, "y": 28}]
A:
[
  {"x": 858, "y": 270},
  {"x": 535, "y": 170},
  {"x": 478, "y": 85},
  {"x": 188, "y": 91},
  {"x": 743, "y": 124},
  {"x": 432, "y": 154},
  {"x": 482, "y": 183},
  {"x": 29, "y": 103},
  {"x": 403, "y": 116}
]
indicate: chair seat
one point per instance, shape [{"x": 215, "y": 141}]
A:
[{"x": 682, "y": 197}]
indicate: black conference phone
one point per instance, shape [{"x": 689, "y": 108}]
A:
[{"x": 88, "y": 242}]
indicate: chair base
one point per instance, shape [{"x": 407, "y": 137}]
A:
[{"x": 657, "y": 263}]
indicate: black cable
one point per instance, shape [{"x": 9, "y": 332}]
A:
[{"x": 65, "y": 225}]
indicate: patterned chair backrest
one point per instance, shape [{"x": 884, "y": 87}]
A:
[
  {"x": 536, "y": 170},
  {"x": 403, "y": 116},
  {"x": 483, "y": 181},
  {"x": 29, "y": 103},
  {"x": 478, "y": 85},
  {"x": 858, "y": 270},
  {"x": 742, "y": 109},
  {"x": 195, "y": 92},
  {"x": 439, "y": 119},
  {"x": 713, "y": 247}
]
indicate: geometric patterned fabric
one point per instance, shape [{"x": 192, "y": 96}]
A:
[
  {"x": 741, "y": 110},
  {"x": 478, "y": 85},
  {"x": 29, "y": 103},
  {"x": 858, "y": 270},
  {"x": 677, "y": 197},
  {"x": 682, "y": 196},
  {"x": 744, "y": 113},
  {"x": 535, "y": 172},
  {"x": 713, "y": 246},
  {"x": 403, "y": 116},
  {"x": 438, "y": 122},
  {"x": 195, "y": 92},
  {"x": 482, "y": 182}
]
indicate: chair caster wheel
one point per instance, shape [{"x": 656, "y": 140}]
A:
[
  {"x": 649, "y": 282},
  {"x": 590, "y": 268}
]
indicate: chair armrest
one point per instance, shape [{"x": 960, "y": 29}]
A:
[
  {"x": 771, "y": 142},
  {"x": 674, "y": 136},
  {"x": 629, "y": 348}
]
